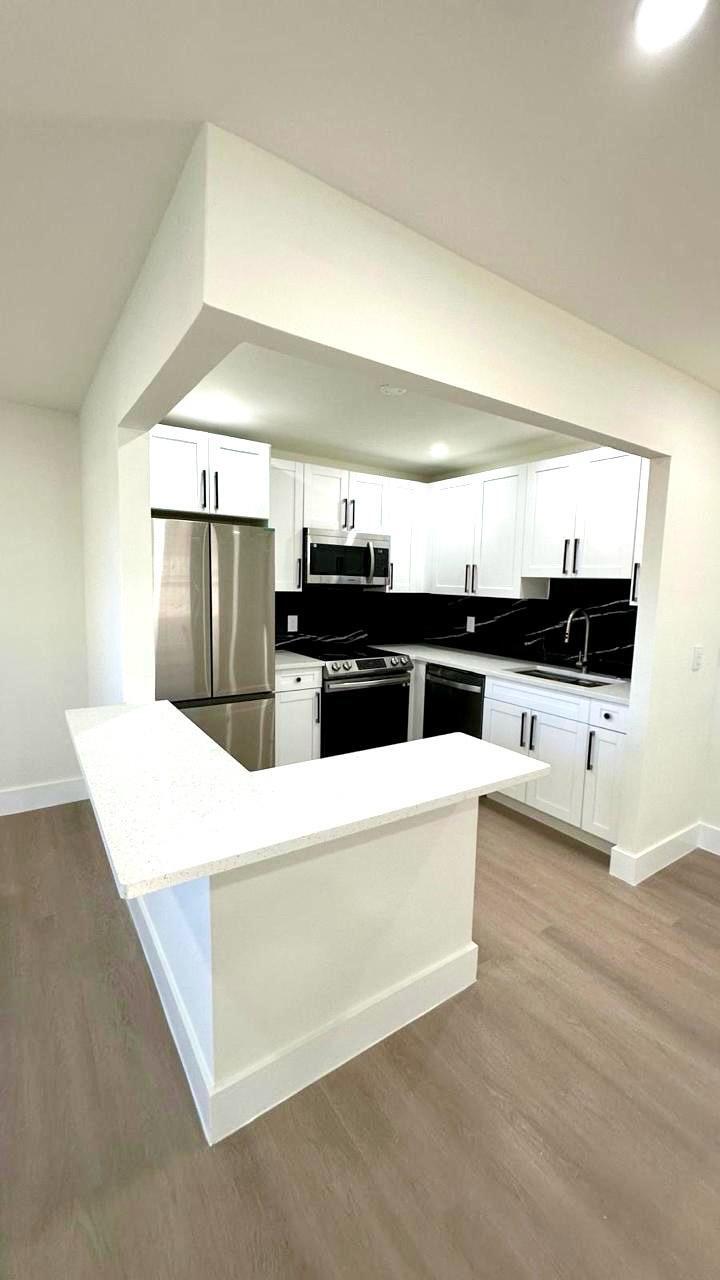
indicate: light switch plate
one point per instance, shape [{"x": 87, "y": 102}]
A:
[
  {"x": 698, "y": 655},
  {"x": 470, "y": 625},
  {"x": 292, "y": 622}
]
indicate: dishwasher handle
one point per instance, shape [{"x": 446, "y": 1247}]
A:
[{"x": 431, "y": 678}]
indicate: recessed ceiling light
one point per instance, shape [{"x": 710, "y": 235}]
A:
[
  {"x": 439, "y": 450},
  {"x": 661, "y": 23},
  {"x": 388, "y": 390}
]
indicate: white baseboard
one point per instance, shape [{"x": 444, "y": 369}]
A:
[
  {"x": 237, "y": 1101},
  {"x": 191, "y": 1055},
  {"x": 226, "y": 1106},
  {"x": 708, "y": 837},
  {"x": 41, "y": 795},
  {"x": 633, "y": 868}
]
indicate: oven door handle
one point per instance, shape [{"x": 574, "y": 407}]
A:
[
  {"x": 378, "y": 682},
  {"x": 371, "y": 572}
]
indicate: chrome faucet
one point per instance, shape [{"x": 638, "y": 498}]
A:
[{"x": 582, "y": 661}]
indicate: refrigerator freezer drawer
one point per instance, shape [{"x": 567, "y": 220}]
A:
[{"x": 245, "y": 729}]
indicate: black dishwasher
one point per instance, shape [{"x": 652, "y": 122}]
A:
[{"x": 453, "y": 701}]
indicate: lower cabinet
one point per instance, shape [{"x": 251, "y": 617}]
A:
[
  {"x": 297, "y": 725},
  {"x": 583, "y": 785}
]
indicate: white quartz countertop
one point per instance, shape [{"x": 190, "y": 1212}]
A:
[
  {"x": 287, "y": 661},
  {"x": 173, "y": 806},
  {"x": 490, "y": 665}
]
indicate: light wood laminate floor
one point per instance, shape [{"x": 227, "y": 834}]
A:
[{"x": 559, "y": 1119}]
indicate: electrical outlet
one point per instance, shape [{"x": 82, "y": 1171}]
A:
[
  {"x": 292, "y": 622},
  {"x": 698, "y": 655},
  {"x": 470, "y": 625}
]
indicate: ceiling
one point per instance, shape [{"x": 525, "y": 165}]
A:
[
  {"x": 531, "y": 138},
  {"x": 306, "y": 408}
]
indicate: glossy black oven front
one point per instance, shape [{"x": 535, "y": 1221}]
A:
[{"x": 358, "y": 714}]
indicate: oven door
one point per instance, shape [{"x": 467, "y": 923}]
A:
[
  {"x": 358, "y": 714},
  {"x": 358, "y": 559}
]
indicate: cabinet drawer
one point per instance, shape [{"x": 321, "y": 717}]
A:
[
  {"x": 609, "y": 715},
  {"x": 537, "y": 698},
  {"x": 298, "y": 680}
]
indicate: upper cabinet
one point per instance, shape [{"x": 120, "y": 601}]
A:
[
  {"x": 581, "y": 515},
  {"x": 326, "y": 497},
  {"x": 286, "y": 518},
  {"x": 476, "y": 533},
  {"x": 639, "y": 530},
  {"x": 199, "y": 471},
  {"x": 404, "y": 521}
]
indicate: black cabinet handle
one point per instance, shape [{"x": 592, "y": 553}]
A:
[
  {"x": 317, "y": 707},
  {"x": 576, "y": 549},
  {"x": 392, "y": 574},
  {"x": 203, "y": 489},
  {"x": 566, "y": 548},
  {"x": 589, "y": 762},
  {"x": 473, "y": 579},
  {"x": 345, "y": 513},
  {"x": 299, "y": 574},
  {"x": 634, "y": 583},
  {"x": 531, "y": 744},
  {"x": 523, "y": 722},
  {"x": 352, "y": 517},
  {"x": 217, "y": 491},
  {"x": 467, "y": 574}
]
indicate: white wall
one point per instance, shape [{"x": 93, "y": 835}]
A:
[{"x": 42, "y": 633}]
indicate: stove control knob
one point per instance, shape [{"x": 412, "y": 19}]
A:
[
  {"x": 394, "y": 662},
  {"x": 335, "y": 666},
  {"x": 347, "y": 665}
]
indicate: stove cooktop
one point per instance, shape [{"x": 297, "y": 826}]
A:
[{"x": 343, "y": 661}]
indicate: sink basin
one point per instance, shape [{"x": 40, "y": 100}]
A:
[{"x": 537, "y": 673}]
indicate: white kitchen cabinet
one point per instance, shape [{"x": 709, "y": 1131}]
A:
[
  {"x": 639, "y": 530},
  {"x": 365, "y": 502},
  {"x": 326, "y": 497},
  {"x": 562, "y": 744},
  {"x": 581, "y": 514},
  {"x": 286, "y": 518},
  {"x": 477, "y": 534},
  {"x": 200, "y": 471},
  {"x": 506, "y": 725},
  {"x": 297, "y": 725},
  {"x": 453, "y": 516},
  {"x": 603, "y": 779},
  {"x": 239, "y": 477},
  {"x": 179, "y": 469},
  {"x": 403, "y": 522}
]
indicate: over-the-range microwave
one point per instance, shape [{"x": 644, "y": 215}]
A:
[{"x": 339, "y": 558}]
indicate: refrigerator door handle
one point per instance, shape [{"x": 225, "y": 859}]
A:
[{"x": 217, "y": 491}]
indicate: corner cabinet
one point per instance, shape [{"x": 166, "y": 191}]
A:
[
  {"x": 581, "y": 515},
  {"x": 298, "y": 716},
  {"x": 199, "y": 471},
  {"x": 477, "y": 534},
  {"x": 582, "y": 741},
  {"x": 286, "y": 518}
]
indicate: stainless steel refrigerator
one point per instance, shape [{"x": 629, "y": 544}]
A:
[{"x": 214, "y": 606}]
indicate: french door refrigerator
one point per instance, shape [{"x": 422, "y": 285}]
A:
[{"x": 214, "y": 610}]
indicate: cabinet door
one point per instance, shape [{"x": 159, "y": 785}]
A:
[
  {"x": 286, "y": 518},
  {"x": 639, "y": 530},
  {"x": 603, "y": 777},
  {"x": 607, "y": 515},
  {"x": 240, "y": 477},
  {"x": 365, "y": 502},
  {"x": 179, "y": 469},
  {"x": 550, "y": 517},
  {"x": 507, "y": 726},
  {"x": 562, "y": 744},
  {"x": 297, "y": 726},
  {"x": 399, "y": 512},
  {"x": 326, "y": 497},
  {"x": 498, "y": 538},
  {"x": 453, "y": 513}
]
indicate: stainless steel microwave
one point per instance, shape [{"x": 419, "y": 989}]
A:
[{"x": 338, "y": 558}]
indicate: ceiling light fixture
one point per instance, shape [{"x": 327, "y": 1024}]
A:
[
  {"x": 662, "y": 23},
  {"x": 439, "y": 450},
  {"x": 388, "y": 390}
]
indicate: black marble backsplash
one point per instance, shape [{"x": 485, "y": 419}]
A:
[{"x": 529, "y": 630}]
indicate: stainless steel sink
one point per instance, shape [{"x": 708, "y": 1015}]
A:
[{"x": 537, "y": 673}]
